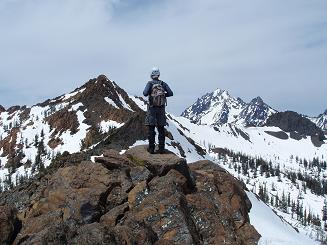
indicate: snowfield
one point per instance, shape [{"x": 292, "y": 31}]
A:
[{"x": 274, "y": 230}]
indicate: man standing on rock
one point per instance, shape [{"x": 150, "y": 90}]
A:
[{"x": 157, "y": 91}]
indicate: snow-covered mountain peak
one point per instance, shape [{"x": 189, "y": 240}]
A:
[
  {"x": 220, "y": 94},
  {"x": 219, "y": 107}
]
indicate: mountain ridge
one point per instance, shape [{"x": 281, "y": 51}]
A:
[{"x": 219, "y": 107}]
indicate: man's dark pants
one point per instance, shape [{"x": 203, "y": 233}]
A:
[{"x": 156, "y": 117}]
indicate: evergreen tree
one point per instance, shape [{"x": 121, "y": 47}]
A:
[{"x": 36, "y": 140}]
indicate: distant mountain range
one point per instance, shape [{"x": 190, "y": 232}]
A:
[{"x": 219, "y": 107}]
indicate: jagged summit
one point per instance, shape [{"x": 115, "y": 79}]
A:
[
  {"x": 98, "y": 91},
  {"x": 130, "y": 199},
  {"x": 258, "y": 100},
  {"x": 256, "y": 112},
  {"x": 219, "y": 107}
]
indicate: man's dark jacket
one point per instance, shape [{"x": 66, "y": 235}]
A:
[{"x": 156, "y": 116}]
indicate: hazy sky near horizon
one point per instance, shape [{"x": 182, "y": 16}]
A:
[{"x": 276, "y": 49}]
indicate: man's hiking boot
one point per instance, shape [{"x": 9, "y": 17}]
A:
[
  {"x": 150, "y": 150},
  {"x": 161, "y": 150}
]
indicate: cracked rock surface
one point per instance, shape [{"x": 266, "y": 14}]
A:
[{"x": 134, "y": 198}]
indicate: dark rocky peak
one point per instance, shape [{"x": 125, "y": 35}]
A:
[
  {"x": 256, "y": 112},
  {"x": 239, "y": 100},
  {"x": 290, "y": 121},
  {"x": 134, "y": 198},
  {"x": 100, "y": 86},
  {"x": 101, "y": 99},
  {"x": 97, "y": 92},
  {"x": 102, "y": 91},
  {"x": 13, "y": 109},
  {"x": 2, "y": 109},
  {"x": 257, "y": 101},
  {"x": 325, "y": 113}
]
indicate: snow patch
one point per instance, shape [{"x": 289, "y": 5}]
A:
[
  {"x": 68, "y": 96},
  {"x": 125, "y": 105},
  {"x": 141, "y": 104},
  {"x": 111, "y": 102},
  {"x": 273, "y": 230},
  {"x": 106, "y": 126}
]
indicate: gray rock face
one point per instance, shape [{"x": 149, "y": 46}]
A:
[
  {"x": 135, "y": 198},
  {"x": 9, "y": 224}
]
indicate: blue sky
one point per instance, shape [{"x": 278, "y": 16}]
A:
[{"x": 276, "y": 49}]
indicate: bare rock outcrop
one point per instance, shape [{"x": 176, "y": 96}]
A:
[
  {"x": 2, "y": 109},
  {"x": 134, "y": 198}
]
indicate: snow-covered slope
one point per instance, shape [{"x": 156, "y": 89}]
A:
[
  {"x": 254, "y": 141},
  {"x": 219, "y": 108},
  {"x": 273, "y": 229},
  {"x": 321, "y": 120}
]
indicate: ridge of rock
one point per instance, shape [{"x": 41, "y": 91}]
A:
[
  {"x": 134, "y": 198},
  {"x": 290, "y": 121}
]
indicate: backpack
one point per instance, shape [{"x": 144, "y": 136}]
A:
[{"x": 158, "y": 97}]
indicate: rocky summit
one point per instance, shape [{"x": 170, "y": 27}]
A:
[{"x": 133, "y": 198}]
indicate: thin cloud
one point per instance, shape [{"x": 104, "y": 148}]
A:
[{"x": 275, "y": 49}]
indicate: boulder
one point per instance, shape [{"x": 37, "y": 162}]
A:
[
  {"x": 220, "y": 206},
  {"x": 80, "y": 194},
  {"x": 160, "y": 164}
]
